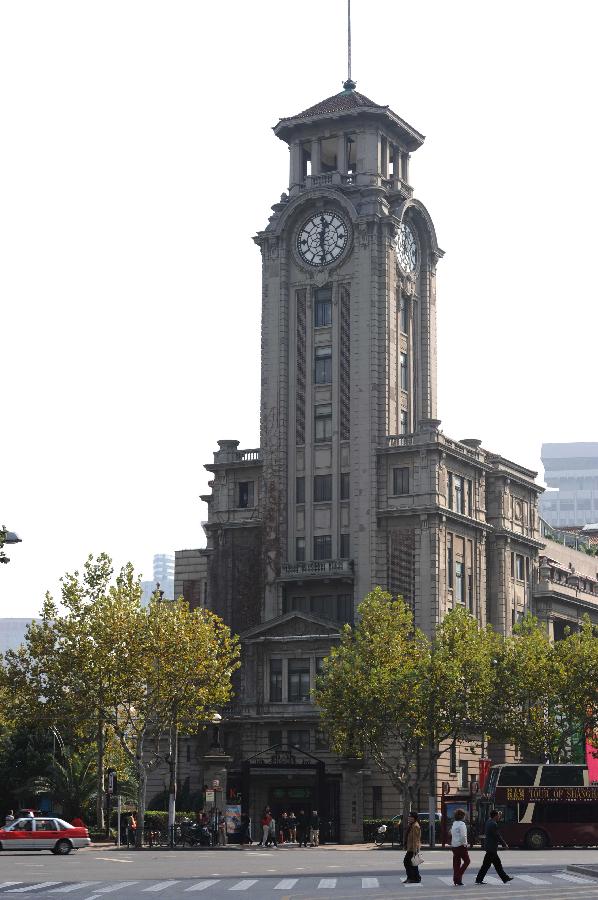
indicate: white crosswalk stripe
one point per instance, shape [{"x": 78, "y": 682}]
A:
[
  {"x": 114, "y": 887},
  {"x": 492, "y": 879},
  {"x": 6, "y": 884},
  {"x": 575, "y": 878},
  {"x": 161, "y": 886},
  {"x": 203, "y": 885},
  {"x": 243, "y": 885},
  {"x": 326, "y": 883},
  {"x": 67, "y": 888},
  {"x": 532, "y": 879},
  {"x": 369, "y": 883},
  {"x": 286, "y": 884},
  {"x": 446, "y": 879},
  {"x": 32, "y": 887}
]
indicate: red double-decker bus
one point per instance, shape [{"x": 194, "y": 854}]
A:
[{"x": 542, "y": 805}]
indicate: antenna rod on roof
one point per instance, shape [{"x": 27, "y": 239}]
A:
[{"x": 349, "y": 39}]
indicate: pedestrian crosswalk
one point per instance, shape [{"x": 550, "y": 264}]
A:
[{"x": 96, "y": 890}]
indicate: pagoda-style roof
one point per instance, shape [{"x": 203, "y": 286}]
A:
[{"x": 348, "y": 103}]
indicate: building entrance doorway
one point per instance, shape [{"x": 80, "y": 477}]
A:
[{"x": 291, "y": 798}]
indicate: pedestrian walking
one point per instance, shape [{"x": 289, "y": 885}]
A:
[
  {"x": 132, "y": 829},
  {"x": 412, "y": 846},
  {"x": 292, "y": 823},
  {"x": 493, "y": 838},
  {"x": 272, "y": 834},
  {"x": 283, "y": 829},
  {"x": 314, "y": 829},
  {"x": 461, "y": 858},
  {"x": 302, "y": 826},
  {"x": 9, "y": 818},
  {"x": 265, "y": 823},
  {"x": 222, "y": 836}
]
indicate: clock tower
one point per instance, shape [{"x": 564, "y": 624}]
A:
[{"x": 348, "y": 345}]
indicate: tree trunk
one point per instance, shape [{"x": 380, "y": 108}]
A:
[
  {"x": 101, "y": 744},
  {"x": 142, "y": 773},
  {"x": 172, "y": 765}
]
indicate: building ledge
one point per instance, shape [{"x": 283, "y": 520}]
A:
[{"x": 328, "y": 568}]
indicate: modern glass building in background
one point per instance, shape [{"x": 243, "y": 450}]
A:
[{"x": 571, "y": 473}]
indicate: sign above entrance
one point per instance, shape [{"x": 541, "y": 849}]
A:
[{"x": 285, "y": 759}]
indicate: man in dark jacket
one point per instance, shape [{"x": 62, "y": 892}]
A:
[
  {"x": 302, "y": 829},
  {"x": 493, "y": 838}
]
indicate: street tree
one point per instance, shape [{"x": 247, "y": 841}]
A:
[{"x": 391, "y": 692}]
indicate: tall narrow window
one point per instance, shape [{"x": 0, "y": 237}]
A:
[
  {"x": 323, "y": 546},
  {"x": 298, "y": 676},
  {"x": 322, "y": 488},
  {"x": 323, "y": 365},
  {"x": 323, "y": 307},
  {"x": 345, "y": 545},
  {"x": 449, "y": 560},
  {"x": 458, "y": 489},
  {"x": 519, "y": 568},
  {"x": 404, "y": 373},
  {"x": 299, "y": 738},
  {"x": 400, "y": 480},
  {"x": 276, "y": 681},
  {"x": 344, "y": 611},
  {"x": 300, "y": 336},
  {"x": 404, "y": 316},
  {"x": 376, "y": 801},
  {"x": 459, "y": 582},
  {"x": 300, "y": 489},
  {"x": 323, "y": 422},
  {"x": 345, "y": 363},
  {"x": 404, "y": 422},
  {"x": 469, "y": 493},
  {"x": 245, "y": 494},
  {"x": 300, "y": 549},
  {"x": 345, "y": 486},
  {"x": 450, "y": 490}
]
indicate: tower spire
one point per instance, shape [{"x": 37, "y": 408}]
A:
[{"x": 349, "y": 84}]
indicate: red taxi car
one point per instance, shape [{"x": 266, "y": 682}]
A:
[{"x": 47, "y": 833}]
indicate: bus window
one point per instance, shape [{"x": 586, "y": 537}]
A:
[
  {"x": 508, "y": 813},
  {"x": 562, "y": 776},
  {"x": 519, "y": 776},
  {"x": 583, "y": 812}
]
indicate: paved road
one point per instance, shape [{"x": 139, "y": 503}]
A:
[{"x": 284, "y": 874}]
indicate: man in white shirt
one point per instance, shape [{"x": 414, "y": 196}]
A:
[{"x": 459, "y": 847}]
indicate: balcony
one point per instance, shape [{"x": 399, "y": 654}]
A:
[{"x": 326, "y": 568}]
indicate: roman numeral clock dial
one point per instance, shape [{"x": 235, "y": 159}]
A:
[{"x": 322, "y": 238}]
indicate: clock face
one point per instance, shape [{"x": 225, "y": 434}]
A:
[
  {"x": 323, "y": 238},
  {"x": 406, "y": 248}
]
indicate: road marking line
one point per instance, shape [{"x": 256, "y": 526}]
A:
[
  {"x": 115, "y": 887},
  {"x": 32, "y": 887},
  {"x": 492, "y": 879},
  {"x": 8, "y": 883},
  {"x": 445, "y": 879},
  {"x": 243, "y": 885},
  {"x": 575, "y": 878},
  {"x": 74, "y": 887},
  {"x": 532, "y": 879},
  {"x": 369, "y": 883},
  {"x": 286, "y": 884},
  {"x": 160, "y": 886},
  {"x": 202, "y": 885},
  {"x": 327, "y": 883},
  {"x": 112, "y": 859}
]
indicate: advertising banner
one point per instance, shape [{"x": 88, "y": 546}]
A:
[{"x": 232, "y": 815}]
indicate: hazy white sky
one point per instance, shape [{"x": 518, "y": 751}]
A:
[{"x": 136, "y": 162}]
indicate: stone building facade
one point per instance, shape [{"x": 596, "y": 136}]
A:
[{"x": 354, "y": 484}]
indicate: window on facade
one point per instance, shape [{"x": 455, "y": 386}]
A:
[
  {"x": 299, "y": 738},
  {"x": 458, "y": 494},
  {"x": 323, "y": 605},
  {"x": 400, "y": 480},
  {"x": 323, "y": 422},
  {"x": 345, "y": 486},
  {"x": 323, "y": 546},
  {"x": 450, "y": 490},
  {"x": 300, "y": 549},
  {"x": 295, "y": 604},
  {"x": 449, "y": 560},
  {"x": 468, "y": 497},
  {"x": 345, "y": 546},
  {"x": 188, "y": 753},
  {"x": 192, "y": 593},
  {"x": 320, "y": 740},
  {"x": 519, "y": 567},
  {"x": 275, "y": 680},
  {"x": 245, "y": 494},
  {"x": 404, "y": 422},
  {"x": 404, "y": 316},
  {"x": 323, "y": 307},
  {"x": 459, "y": 582},
  {"x": 300, "y": 489},
  {"x": 274, "y": 737},
  {"x": 404, "y": 373},
  {"x": 344, "y": 608},
  {"x": 322, "y": 488},
  {"x": 319, "y": 664},
  {"x": 298, "y": 681},
  {"x": 512, "y": 565},
  {"x": 323, "y": 365}
]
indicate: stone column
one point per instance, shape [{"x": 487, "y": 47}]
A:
[
  {"x": 296, "y": 165},
  {"x": 316, "y": 163},
  {"x": 341, "y": 154},
  {"x": 351, "y": 805}
]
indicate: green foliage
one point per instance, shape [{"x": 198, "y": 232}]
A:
[{"x": 388, "y": 690}]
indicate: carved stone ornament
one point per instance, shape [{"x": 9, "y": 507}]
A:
[
  {"x": 407, "y": 282},
  {"x": 363, "y": 235},
  {"x": 274, "y": 248}
]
